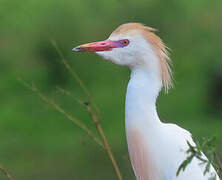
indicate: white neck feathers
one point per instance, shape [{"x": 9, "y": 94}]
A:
[{"x": 142, "y": 91}]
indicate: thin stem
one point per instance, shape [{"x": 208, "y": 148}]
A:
[
  {"x": 94, "y": 117},
  {"x": 75, "y": 76},
  {"x": 6, "y": 173},
  {"x": 68, "y": 93},
  {"x": 218, "y": 161},
  {"x": 63, "y": 112},
  {"x": 105, "y": 142},
  {"x": 95, "y": 120}
]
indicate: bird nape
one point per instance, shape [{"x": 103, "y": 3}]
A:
[{"x": 156, "y": 149}]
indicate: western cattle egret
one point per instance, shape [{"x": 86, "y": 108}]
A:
[{"x": 156, "y": 149}]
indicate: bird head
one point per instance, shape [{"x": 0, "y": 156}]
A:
[{"x": 136, "y": 46}]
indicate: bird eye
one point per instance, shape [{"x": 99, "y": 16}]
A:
[{"x": 125, "y": 42}]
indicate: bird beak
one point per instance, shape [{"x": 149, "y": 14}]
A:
[{"x": 106, "y": 45}]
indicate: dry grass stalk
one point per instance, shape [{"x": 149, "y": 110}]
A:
[
  {"x": 95, "y": 117},
  {"x": 218, "y": 161},
  {"x": 95, "y": 120},
  {"x": 62, "y": 111},
  {"x": 105, "y": 142},
  {"x": 6, "y": 173},
  {"x": 75, "y": 76}
]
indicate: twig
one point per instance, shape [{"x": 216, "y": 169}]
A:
[
  {"x": 105, "y": 142},
  {"x": 6, "y": 173},
  {"x": 95, "y": 120},
  {"x": 63, "y": 112},
  {"x": 218, "y": 161},
  {"x": 94, "y": 117},
  {"x": 75, "y": 76},
  {"x": 68, "y": 93}
]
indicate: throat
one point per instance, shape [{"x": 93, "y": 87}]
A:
[{"x": 142, "y": 92}]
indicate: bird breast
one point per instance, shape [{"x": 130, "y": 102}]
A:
[{"x": 141, "y": 157}]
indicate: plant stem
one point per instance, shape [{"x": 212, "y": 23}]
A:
[
  {"x": 75, "y": 76},
  {"x": 218, "y": 161},
  {"x": 105, "y": 142},
  {"x": 6, "y": 173},
  {"x": 63, "y": 112},
  {"x": 95, "y": 118}
]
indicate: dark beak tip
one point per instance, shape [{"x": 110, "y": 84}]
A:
[{"x": 76, "y": 49}]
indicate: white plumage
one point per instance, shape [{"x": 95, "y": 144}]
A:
[{"x": 156, "y": 149}]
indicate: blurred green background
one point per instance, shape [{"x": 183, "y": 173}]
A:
[{"x": 37, "y": 142}]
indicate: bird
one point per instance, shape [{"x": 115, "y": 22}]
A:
[{"x": 156, "y": 149}]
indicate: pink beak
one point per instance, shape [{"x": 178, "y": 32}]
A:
[{"x": 106, "y": 45}]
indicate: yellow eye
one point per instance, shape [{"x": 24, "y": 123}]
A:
[{"x": 125, "y": 42}]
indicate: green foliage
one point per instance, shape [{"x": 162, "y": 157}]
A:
[{"x": 208, "y": 146}]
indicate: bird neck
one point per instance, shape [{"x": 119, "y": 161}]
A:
[{"x": 142, "y": 92}]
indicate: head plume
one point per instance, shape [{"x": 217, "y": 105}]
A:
[{"x": 158, "y": 47}]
